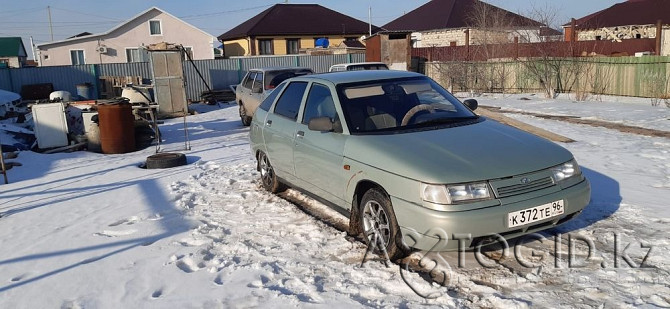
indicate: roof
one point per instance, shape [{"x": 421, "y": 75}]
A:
[
  {"x": 80, "y": 35},
  {"x": 631, "y": 12},
  {"x": 351, "y": 44},
  {"x": 445, "y": 14},
  {"x": 12, "y": 47},
  {"x": 298, "y": 19},
  {"x": 87, "y": 37},
  {"x": 346, "y": 77}
]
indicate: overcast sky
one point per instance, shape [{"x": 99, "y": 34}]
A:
[{"x": 70, "y": 17}]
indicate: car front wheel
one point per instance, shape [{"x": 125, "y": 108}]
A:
[{"x": 379, "y": 224}]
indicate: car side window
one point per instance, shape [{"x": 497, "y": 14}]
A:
[
  {"x": 271, "y": 98},
  {"x": 248, "y": 82},
  {"x": 258, "y": 81},
  {"x": 319, "y": 104},
  {"x": 289, "y": 102}
]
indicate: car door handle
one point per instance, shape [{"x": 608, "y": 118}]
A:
[
  {"x": 268, "y": 123},
  {"x": 300, "y": 134}
]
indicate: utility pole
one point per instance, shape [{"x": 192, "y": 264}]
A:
[
  {"x": 370, "y": 20},
  {"x": 51, "y": 27}
]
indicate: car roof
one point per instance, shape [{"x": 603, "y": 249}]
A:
[
  {"x": 267, "y": 69},
  {"x": 357, "y": 63},
  {"x": 357, "y": 76}
]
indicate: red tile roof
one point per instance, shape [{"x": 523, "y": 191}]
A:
[
  {"x": 631, "y": 12},
  {"x": 444, "y": 14},
  {"x": 298, "y": 19}
]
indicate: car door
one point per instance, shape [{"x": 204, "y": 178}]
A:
[
  {"x": 318, "y": 156},
  {"x": 243, "y": 90},
  {"x": 255, "y": 94},
  {"x": 280, "y": 129}
]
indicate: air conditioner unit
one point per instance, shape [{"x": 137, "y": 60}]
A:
[{"x": 102, "y": 49}]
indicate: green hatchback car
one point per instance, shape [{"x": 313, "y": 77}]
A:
[{"x": 411, "y": 165}]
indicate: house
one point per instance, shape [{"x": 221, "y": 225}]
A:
[
  {"x": 12, "y": 52},
  {"x": 124, "y": 43},
  {"x": 285, "y": 29},
  {"x": 467, "y": 22},
  {"x": 633, "y": 19}
]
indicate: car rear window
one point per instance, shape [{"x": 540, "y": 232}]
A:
[
  {"x": 274, "y": 78},
  {"x": 289, "y": 102}
]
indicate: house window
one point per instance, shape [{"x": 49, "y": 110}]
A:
[
  {"x": 155, "y": 27},
  {"x": 77, "y": 56},
  {"x": 137, "y": 55},
  {"x": 265, "y": 47},
  {"x": 188, "y": 52},
  {"x": 292, "y": 46}
]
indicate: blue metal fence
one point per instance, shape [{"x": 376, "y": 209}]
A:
[{"x": 219, "y": 73}]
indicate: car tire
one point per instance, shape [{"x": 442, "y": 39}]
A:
[
  {"x": 246, "y": 120},
  {"x": 379, "y": 225},
  {"x": 165, "y": 160},
  {"x": 268, "y": 177}
]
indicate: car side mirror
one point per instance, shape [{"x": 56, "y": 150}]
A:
[
  {"x": 471, "y": 104},
  {"x": 323, "y": 124}
]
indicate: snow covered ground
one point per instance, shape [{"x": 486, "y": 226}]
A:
[{"x": 84, "y": 230}]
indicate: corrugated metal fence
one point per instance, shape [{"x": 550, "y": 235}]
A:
[{"x": 219, "y": 73}]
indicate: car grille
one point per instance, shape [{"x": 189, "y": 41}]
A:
[{"x": 535, "y": 185}]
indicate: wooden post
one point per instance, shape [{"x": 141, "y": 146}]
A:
[{"x": 659, "y": 33}]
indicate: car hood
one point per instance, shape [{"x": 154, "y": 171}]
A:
[{"x": 481, "y": 151}]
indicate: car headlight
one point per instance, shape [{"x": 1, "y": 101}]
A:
[
  {"x": 451, "y": 194},
  {"x": 565, "y": 171}
]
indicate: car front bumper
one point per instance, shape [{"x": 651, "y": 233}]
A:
[{"x": 427, "y": 229}]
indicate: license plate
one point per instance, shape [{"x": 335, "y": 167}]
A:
[{"x": 538, "y": 213}]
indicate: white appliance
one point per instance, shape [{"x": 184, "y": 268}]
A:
[{"x": 50, "y": 125}]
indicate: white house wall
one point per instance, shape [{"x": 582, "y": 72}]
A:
[{"x": 131, "y": 35}]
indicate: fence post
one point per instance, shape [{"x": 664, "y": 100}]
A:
[
  {"x": 239, "y": 69},
  {"x": 349, "y": 58},
  {"x": 96, "y": 76},
  {"x": 297, "y": 61}
]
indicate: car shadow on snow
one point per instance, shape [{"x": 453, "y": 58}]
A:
[{"x": 605, "y": 201}]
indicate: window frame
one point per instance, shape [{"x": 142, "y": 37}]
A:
[
  {"x": 288, "y": 46},
  {"x": 188, "y": 49},
  {"x": 302, "y": 98},
  {"x": 160, "y": 27},
  {"x": 309, "y": 92},
  {"x": 262, "y": 51},
  {"x": 249, "y": 78},
  {"x": 83, "y": 56},
  {"x": 138, "y": 49}
]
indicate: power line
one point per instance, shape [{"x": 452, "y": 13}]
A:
[
  {"x": 87, "y": 14},
  {"x": 226, "y": 12}
]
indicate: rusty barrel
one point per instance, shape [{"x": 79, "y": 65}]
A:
[{"x": 117, "y": 127}]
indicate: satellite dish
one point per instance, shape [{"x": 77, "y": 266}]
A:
[{"x": 322, "y": 42}]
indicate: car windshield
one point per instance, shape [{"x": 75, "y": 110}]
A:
[{"x": 399, "y": 104}]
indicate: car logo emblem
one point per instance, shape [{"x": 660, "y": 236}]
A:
[{"x": 525, "y": 181}]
